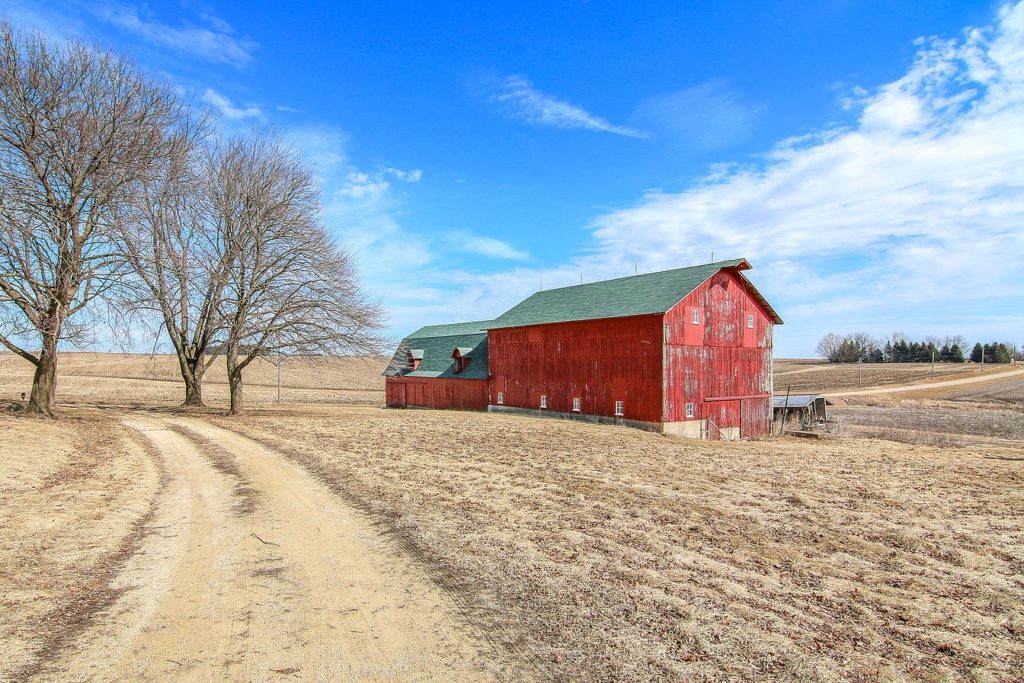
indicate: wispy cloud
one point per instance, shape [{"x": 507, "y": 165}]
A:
[
  {"x": 289, "y": 110},
  {"x": 912, "y": 214},
  {"x": 909, "y": 219},
  {"x": 709, "y": 116},
  {"x": 413, "y": 176},
  {"x": 486, "y": 246},
  {"x": 360, "y": 184},
  {"x": 227, "y": 108},
  {"x": 214, "y": 42},
  {"x": 517, "y": 97}
]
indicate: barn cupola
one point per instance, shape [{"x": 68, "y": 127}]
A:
[
  {"x": 414, "y": 358},
  {"x": 460, "y": 358}
]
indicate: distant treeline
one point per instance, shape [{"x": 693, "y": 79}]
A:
[{"x": 861, "y": 347}]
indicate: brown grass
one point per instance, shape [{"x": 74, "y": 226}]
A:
[
  {"x": 75, "y": 497},
  {"x": 817, "y": 376},
  {"x": 929, "y": 422},
  {"x": 140, "y": 379},
  {"x": 614, "y": 554}
]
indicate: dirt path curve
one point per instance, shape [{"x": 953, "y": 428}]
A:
[
  {"x": 255, "y": 571},
  {"x": 923, "y": 386}
]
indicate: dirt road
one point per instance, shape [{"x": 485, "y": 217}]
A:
[
  {"x": 255, "y": 571},
  {"x": 904, "y": 388}
]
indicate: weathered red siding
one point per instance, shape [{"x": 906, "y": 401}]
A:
[
  {"x": 436, "y": 392},
  {"x": 599, "y": 361},
  {"x": 719, "y": 364}
]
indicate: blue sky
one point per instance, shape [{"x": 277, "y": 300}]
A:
[{"x": 867, "y": 157}]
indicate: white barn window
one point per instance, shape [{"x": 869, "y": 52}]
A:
[
  {"x": 619, "y": 408},
  {"x": 689, "y": 410},
  {"x": 695, "y": 316},
  {"x": 501, "y": 397},
  {"x": 543, "y": 401},
  {"x": 576, "y": 404},
  {"x": 750, "y": 319}
]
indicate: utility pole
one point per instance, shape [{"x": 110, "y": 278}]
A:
[
  {"x": 860, "y": 373},
  {"x": 279, "y": 361},
  {"x": 933, "y": 362}
]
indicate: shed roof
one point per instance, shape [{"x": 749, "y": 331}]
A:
[
  {"x": 625, "y": 296},
  {"x": 437, "y": 343},
  {"x": 798, "y": 400}
]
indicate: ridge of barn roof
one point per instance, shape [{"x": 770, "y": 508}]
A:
[
  {"x": 644, "y": 294},
  {"x": 451, "y": 329}
]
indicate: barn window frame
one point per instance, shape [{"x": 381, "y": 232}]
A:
[
  {"x": 690, "y": 412},
  {"x": 750, "y": 320},
  {"x": 695, "y": 316},
  {"x": 501, "y": 398},
  {"x": 577, "y": 404},
  {"x": 543, "y": 401},
  {"x": 620, "y": 408}
]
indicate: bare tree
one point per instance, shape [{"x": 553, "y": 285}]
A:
[
  {"x": 848, "y": 348},
  {"x": 180, "y": 252},
  {"x": 291, "y": 289},
  {"x": 78, "y": 127}
]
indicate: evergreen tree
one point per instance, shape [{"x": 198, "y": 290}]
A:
[
  {"x": 956, "y": 354},
  {"x": 976, "y": 353}
]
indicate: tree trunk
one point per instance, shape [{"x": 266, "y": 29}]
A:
[
  {"x": 234, "y": 381},
  {"x": 192, "y": 372},
  {"x": 44, "y": 383}
]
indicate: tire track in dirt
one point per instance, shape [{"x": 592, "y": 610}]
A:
[{"x": 293, "y": 583}]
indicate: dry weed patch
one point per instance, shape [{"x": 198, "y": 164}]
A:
[
  {"x": 810, "y": 375},
  {"x": 141, "y": 379},
  {"x": 74, "y": 497},
  {"x": 613, "y": 554}
]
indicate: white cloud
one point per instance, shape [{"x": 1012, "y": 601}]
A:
[
  {"x": 360, "y": 185},
  {"x": 908, "y": 219},
  {"x": 708, "y": 116},
  {"x": 913, "y": 214},
  {"x": 214, "y": 42},
  {"x": 227, "y": 108},
  {"x": 486, "y": 246},
  {"x": 413, "y": 176},
  {"x": 518, "y": 98},
  {"x": 289, "y": 110}
]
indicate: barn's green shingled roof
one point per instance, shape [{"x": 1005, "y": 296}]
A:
[
  {"x": 626, "y": 296},
  {"x": 437, "y": 343},
  {"x": 451, "y": 329}
]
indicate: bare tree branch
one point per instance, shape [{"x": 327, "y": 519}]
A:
[{"x": 79, "y": 129}]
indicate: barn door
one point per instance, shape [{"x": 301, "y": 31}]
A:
[
  {"x": 400, "y": 395},
  {"x": 725, "y": 419}
]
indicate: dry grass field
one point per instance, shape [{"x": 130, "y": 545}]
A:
[
  {"x": 805, "y": 375},
  {"x": 592, "y": 552},
  {"x": 135, "y": 379},
  {"x": 613, "y": 554},
  {"x": 74, "y": 499}
]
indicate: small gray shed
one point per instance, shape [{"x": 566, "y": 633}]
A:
[{"x": 809, "y": 408}]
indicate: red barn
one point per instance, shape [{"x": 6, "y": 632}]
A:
[{"x": 685, "y": 351}]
